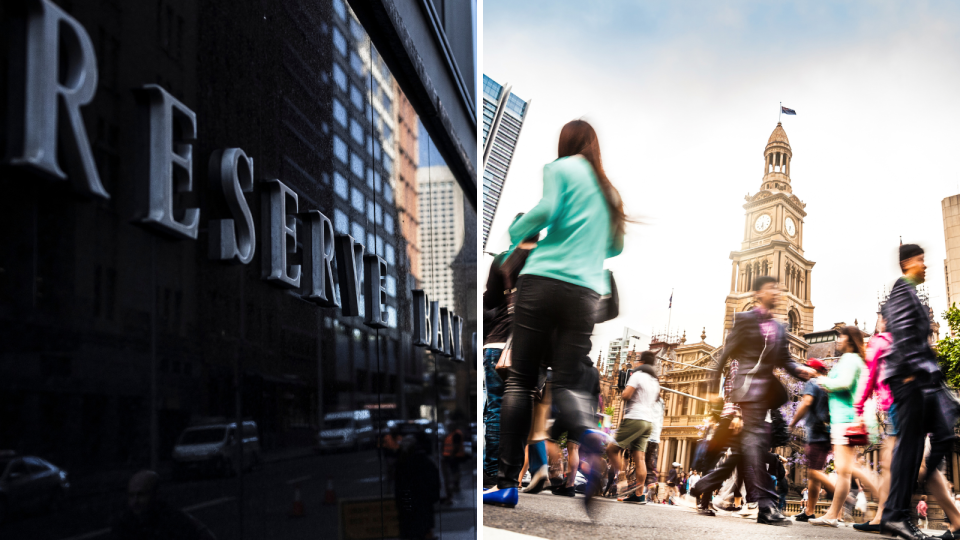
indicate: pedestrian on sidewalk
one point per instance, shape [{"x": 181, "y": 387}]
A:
[
  {"x": 877, "y": 351},
  {"x": 640, "y": 398},
  {"x": 559, "y": 292},
  {"x": 815, "y": 413},
  {"x": 498, "y": 304},
  {"x": 922, "y": 405},
  {"x": 653, "y": 448},
  {"x": 760, "y": 344},
  {"x": 922, "y": 521},
  {"x": 842, "y": 385}
]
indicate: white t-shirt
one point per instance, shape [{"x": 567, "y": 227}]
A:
[
  {"x": 693, "y": 480},
  {"x": 642, "y": 405},
  {"x": 658, "y": 421}
]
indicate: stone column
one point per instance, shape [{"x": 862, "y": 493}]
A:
[{"x": 733, "y": 276}]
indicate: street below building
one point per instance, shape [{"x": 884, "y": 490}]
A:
[
  {"x": 547, "y": 516},
  {"x": 268, "y": 493}
]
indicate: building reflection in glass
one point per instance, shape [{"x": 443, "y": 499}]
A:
[{"x": 148, "y": 389}]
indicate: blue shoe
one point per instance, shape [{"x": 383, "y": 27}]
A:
[{"x": 506, "y": 497}]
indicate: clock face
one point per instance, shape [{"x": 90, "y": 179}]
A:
[
  {"x": 790, "y": 226},
  {"x": 763, "y": 222}
]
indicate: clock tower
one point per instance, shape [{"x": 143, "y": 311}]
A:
[{"x": 773, "y": 246}]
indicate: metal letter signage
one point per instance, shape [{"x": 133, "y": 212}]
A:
[
  {"x": 318, "y": 259},
  {"x": 457, "y": 324},
  {"x": 436, "y": 329},
  {"x": 45, "y": 110},
  {"x": 232, "y": 240},
  {"x": 375, "y": 292},
  {"x": 421, "y": 318},
  {"x": 349, "y": 272},
  {"x": 168, "y": 164},
  {"x": 279, "y": 235},
  {"x": 447, "y": 332}
]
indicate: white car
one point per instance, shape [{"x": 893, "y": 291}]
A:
[
  {"x": 213, "y": 448},
  {"x": 349, "y": 430}
]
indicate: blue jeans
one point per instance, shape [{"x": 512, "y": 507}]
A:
[{"x": 491, "y": 412}]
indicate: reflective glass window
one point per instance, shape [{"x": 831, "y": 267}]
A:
[
  {"x": 356, "y": 199},
  {"x": 340, "y": 148},
  {"x": 339, "y": 41},
  {"x": 356, "y": 165},
  {"x": 339, "y": 112},
  {"x": 340, "y": 77},
  {"x": 340, "y": 185},
  {"x": 341, "y": 223}
]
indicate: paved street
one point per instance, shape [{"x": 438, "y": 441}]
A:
[
  {"x": 548, "y": 516},
  {"x": 268, "y": 495}
]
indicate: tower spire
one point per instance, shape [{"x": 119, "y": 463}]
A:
[{"x": 776, "y": 161}]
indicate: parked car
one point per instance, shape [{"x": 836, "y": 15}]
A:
[
  {"x": 28, "y": 483},
  {"x": 213, "y": 448},
  {"x": 349, "y": 430}
]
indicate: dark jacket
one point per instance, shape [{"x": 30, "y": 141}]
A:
[
  {"x": 755, "y": 381},
  {"x": 908, "y": 322},
  {"x": 160, "y": 522},
  {"x": 499, "y": 294}
]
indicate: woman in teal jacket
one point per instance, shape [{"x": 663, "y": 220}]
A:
[
  {"x": 843, "y": 386},
  {"x": 558, "y": 294}
]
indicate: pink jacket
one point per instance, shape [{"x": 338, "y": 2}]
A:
[{"x": 876, "y": 351}]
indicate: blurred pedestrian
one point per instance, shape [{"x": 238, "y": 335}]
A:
[
  {"x": 640, "y": 398},
  {"x": 922, "y": 407},
  {"x": 149, "y": 517},
  {"x": 559, "y": 291},
  {"x": 842, "y": 385},
  {"x": 498, "y": 304},
  {"x": 815, "y": 413},
  {"x": 922, "y": 512},
  {"x": 760, "y": 344}
]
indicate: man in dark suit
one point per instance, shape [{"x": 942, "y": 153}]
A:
[
  {"x": 759, "y": 343},
  {"x": 914, "y": 378}
]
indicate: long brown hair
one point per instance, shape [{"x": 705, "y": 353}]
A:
[
  {"x": 579, "y": 137},
  {"x": 855, "y": 338}
]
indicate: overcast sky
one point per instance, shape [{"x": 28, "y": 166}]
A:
[{"x": 684, "y": 96}]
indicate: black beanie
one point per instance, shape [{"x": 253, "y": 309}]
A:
[{"x": 909, "y": 250}]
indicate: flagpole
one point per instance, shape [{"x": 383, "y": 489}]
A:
[
  {"x": 670, "y": 312},
  {"x": 780, "y": 114}
]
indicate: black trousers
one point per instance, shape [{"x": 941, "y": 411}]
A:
[
  {"x": 545, "y": 306},
  {"x": 754, "y": 446},
  {"x": 650, "y": 457},
  {"x": 715, "y": 478},
  {"x": 918, "y": 413}
]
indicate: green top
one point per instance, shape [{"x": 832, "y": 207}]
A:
[
  {"x": 579, "y": 234},
  {"x": 842, "y": 383}
]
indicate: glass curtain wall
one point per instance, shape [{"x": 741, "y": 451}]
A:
[{"x": 147, "y": 382}]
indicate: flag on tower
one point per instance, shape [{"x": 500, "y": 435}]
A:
[
  {"x": 671, "y": 300},
  {"x": 786, "y": 110}
]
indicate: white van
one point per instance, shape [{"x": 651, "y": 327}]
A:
[
  {"x": 213, "y": 448},
  {"x": 349, "y": 430}
]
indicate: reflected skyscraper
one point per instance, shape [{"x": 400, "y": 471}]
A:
[{"x": 503, "y": 116}]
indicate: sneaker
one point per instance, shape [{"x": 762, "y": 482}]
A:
[
  {"x": 824, "y": 522},
  {"x": 564, "y": 491},
  {"x": 803, "y": 517},
  {"x": 634, "y": 499}
]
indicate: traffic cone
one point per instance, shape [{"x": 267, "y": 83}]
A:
[
  {"x": 329, "y": 496},
  {"x": 297, "y": 510}
]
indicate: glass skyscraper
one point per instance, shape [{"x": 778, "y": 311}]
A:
[{"x": 503, "y": 116}]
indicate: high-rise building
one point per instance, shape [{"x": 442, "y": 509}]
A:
[
  {"x": 441, "y": 230},
  {"x": 632, "y": 340},
  {"x": 503, "y": 116},
  {"x": 405, "y": 184},
  {"x": 951, "y": 235}
]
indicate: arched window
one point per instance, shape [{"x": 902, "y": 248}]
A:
[{"x": 794, "y": 326}]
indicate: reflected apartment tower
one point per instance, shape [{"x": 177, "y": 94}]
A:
[
  {"x": 441, "y": 230},
  {"x": 503, "y": 116},
  {"x": 405, "y": 184}
]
